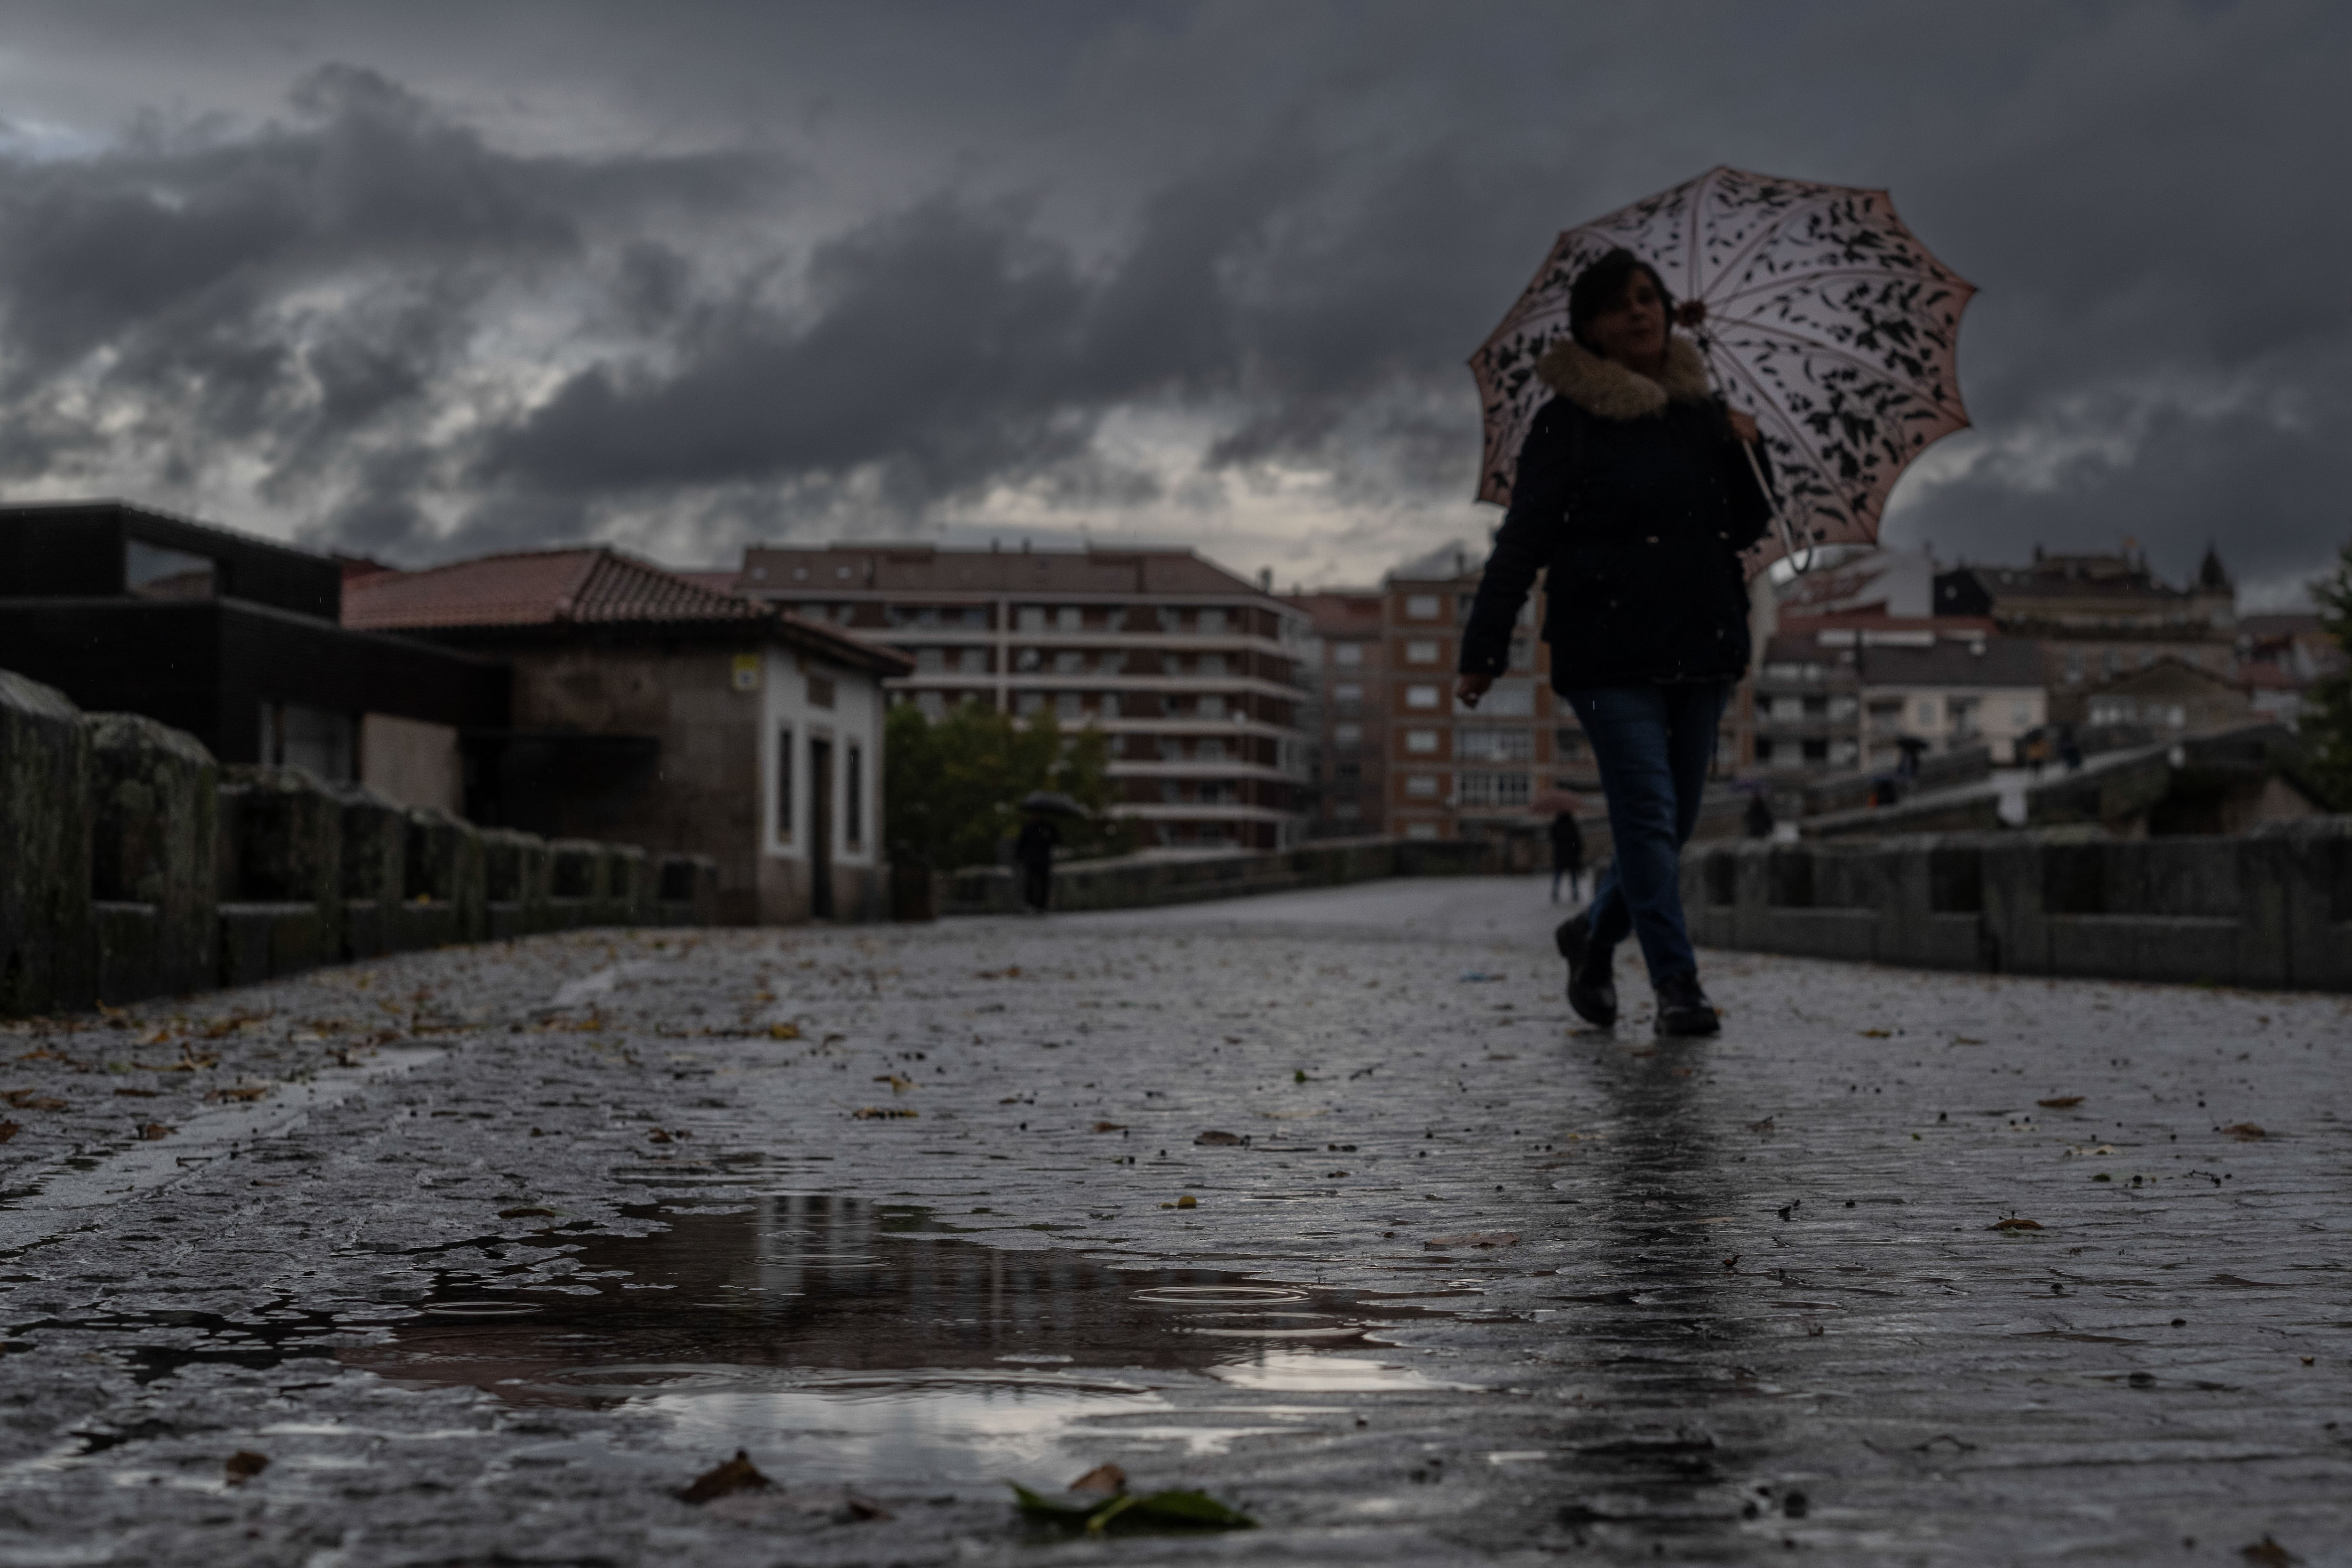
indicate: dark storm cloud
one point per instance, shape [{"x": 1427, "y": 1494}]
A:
[{"x": 1286, "y": 224}]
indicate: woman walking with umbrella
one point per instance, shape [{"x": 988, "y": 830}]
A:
[
  {"x": 1633, "y": 490},
  {"x": 1639, "y": 489}
]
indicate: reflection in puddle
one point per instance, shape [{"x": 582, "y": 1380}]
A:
[{"x": 846, "y": 1341}]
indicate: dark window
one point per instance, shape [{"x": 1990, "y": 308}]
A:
[
  {"x": 820, "y": 690},
  {"x": 784, "y": 784},
  {"x": 853, "y": 786},
  {"x": 151, "y": 571}
]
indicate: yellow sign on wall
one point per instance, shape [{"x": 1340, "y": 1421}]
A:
[{"x": 747, "y": 672}]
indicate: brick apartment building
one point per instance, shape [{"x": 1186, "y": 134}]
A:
[
  {"x": 1346, "y": 662},
  {"x": 1193, "y": 673}
]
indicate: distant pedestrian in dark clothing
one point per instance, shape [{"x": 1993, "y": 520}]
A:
[
  {"x": 1759, "y": 817},
  {"x": 1567, "y": 855},
  {"x": 1635, "y": 497},
  {"x": 1034, "y": 851}
]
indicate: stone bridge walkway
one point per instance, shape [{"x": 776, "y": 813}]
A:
[{"x": 1317, "y": 1202}]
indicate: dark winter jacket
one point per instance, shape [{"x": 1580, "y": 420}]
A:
[{"x": 1635, "y": 496}]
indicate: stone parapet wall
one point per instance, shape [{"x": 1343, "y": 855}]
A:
[
  {"x": 133, "y": 865},
  {"x": 2268, "y": 909},
  {"x": 1141, "y": 884}
]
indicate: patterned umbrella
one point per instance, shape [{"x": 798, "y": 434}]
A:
[{"x": 1825, "y": 319}]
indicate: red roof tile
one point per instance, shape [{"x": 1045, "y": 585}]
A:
[{"x": 547, "y": 587}]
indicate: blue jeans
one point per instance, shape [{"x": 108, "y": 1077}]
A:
[{"x": 1653, "y": 744}]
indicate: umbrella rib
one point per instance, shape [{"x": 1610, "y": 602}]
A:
[
  {"x": 1696, "y": 220},
  {"x": 1878, "y": 371},
  {"x": 1796, "y": 438},
  {"x": 1762, "y": 236}
]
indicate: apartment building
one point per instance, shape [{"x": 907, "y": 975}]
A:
[
  {"x": 2097, "y": 617},
  {"x": 1346, "y": 659},
  {"x": 1842, "y": 697},
  {"x": 1192, "y": 673}
]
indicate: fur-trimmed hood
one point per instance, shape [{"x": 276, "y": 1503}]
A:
[{"x": 1606, "y": 388}]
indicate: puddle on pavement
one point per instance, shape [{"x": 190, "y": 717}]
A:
[{"x": 849, "y": 1341}]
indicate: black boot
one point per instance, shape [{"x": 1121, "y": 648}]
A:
[
  {"x": 1591, "y": 990},
  {"x": 1683, "y": 1008}
]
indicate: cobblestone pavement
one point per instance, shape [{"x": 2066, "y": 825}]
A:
[{"x": 486, "y": 1252}]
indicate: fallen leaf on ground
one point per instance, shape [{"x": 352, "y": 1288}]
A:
[
  {"x": 138, "y": 1093},
  {"x": 32, "y": 1100},
  {"x": 1110, "y": 1126},
  {"x": 1188, "y": 1201},
  {"x": 8, "y": 1130},
  {"x": 1763, "y": 1126},
  {"x": 1474, "y": 1238},
  {"x": 784, "y": 1032},
  {"x": 1213, "y": 1136},
  {"x": 244, "y": 1464},
  {"x": 2269, "y": 1553},
  {"x": 154, "y": 1131},
  {"x": 1162, "y": 1509},
  {"x": 658, "y": 1135},
  {"x": 2013, "y": 1224},
  {"x": 883, "y": 1113},
  {"x": 1101, "y": 1479},
  {"x": 2060, "y": 1102},
  {"x": 1876, "y": 1033},
  {"x": 738, "y": 1474},
  {"x": 252, "y": 1093},
  {"x": 897, "y": 1085},
  {"x": 2248, "y": 1132}
]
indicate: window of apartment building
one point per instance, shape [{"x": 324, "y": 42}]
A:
[
  {"x": 1420, "y": 651},
  {"x": 1462, "y": 603},
  {"x": 1031, "y": 618},
  {"x": 1764, "y": 747},
  {"x": 1423, "y": 607},
  {"x": 930, "y": 661},
  {"x": 1480, "y": 789},
  {"x": 2020, "y": 716},
  {"x": 1030, "y": 703},
  {"x": 853, "y": 796},
  {"x": 2112, "y": 661},
  {"x": 1924, "y": 711},
  {"x": 1212, "y": 666},
  {"x": 1494, "y": 745},
  {"x": 1421, "y": 786},
  {"x": 1844, "y": 753},
  {"x": 1028, "y": 661},
  {"x": 973, "y": 661},
  {"x": 1346, "y": 774},
  {"x": 2073, "y": 669},
  {"x": 933, "y": 706},
  {"x": 1111, "y": 663},
  {"x": 1069, "y": 705},
  {"x": 1420, "y": 830},
  {"x": 1814, "y": 708},
  {"x": 1069, "y": 617},
  {"x": 1351, "y": 654},
  {"x": 784, "y": 784},
  {"x": 1963, "y": 711},
  {"x": 1346, "y": 735},
  {"x": 1209, "y": 750},
  {"x": 1421, "y": 696},
  {"x": 1816, "y": 751},
  {"x": 1347, "y": 692},
  {"x": 1346, "y": 811},
  {"x": 1210, "y": 624},
  {"x": 1567, "y": 744},
  {"x": 1421, "y": 742},
  {"x": 1069, "y": 662},
  {"x": 1509, "y": 699},
  {"x": 1212, "y": 705}
]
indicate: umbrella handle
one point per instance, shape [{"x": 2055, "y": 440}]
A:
[{"x": 1788, "y": 534}]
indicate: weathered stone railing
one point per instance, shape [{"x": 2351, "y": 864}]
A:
[
  {"x": 133, "y": 865},
  {"x": 2271, "y": 908},
  {"x": 1140, "y": 884}
]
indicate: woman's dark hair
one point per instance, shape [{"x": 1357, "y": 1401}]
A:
[{"x": 1601, "y": 287}]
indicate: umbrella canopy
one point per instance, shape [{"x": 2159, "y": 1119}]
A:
[
  {"x": 1825, "y": 319},
  {"x": 1053, "y": 804}
]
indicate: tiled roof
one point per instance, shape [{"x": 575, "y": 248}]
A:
[{"x": 546, "y": 588}]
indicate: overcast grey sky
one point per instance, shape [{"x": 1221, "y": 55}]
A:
[{"x": 427, "y": 279}]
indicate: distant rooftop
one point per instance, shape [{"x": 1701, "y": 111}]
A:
[{"x": 919, "y": 568}]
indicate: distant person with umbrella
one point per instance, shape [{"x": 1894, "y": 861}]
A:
[
  {"x": 1759, "y": 821},
  {"x": 1033, "y": 851},
  {"x": 1822, "y": 336}
]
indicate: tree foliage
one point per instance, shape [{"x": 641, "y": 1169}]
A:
[
  {"x": 2327, "y": 722},
  {"x": 951, "y": 785}
]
